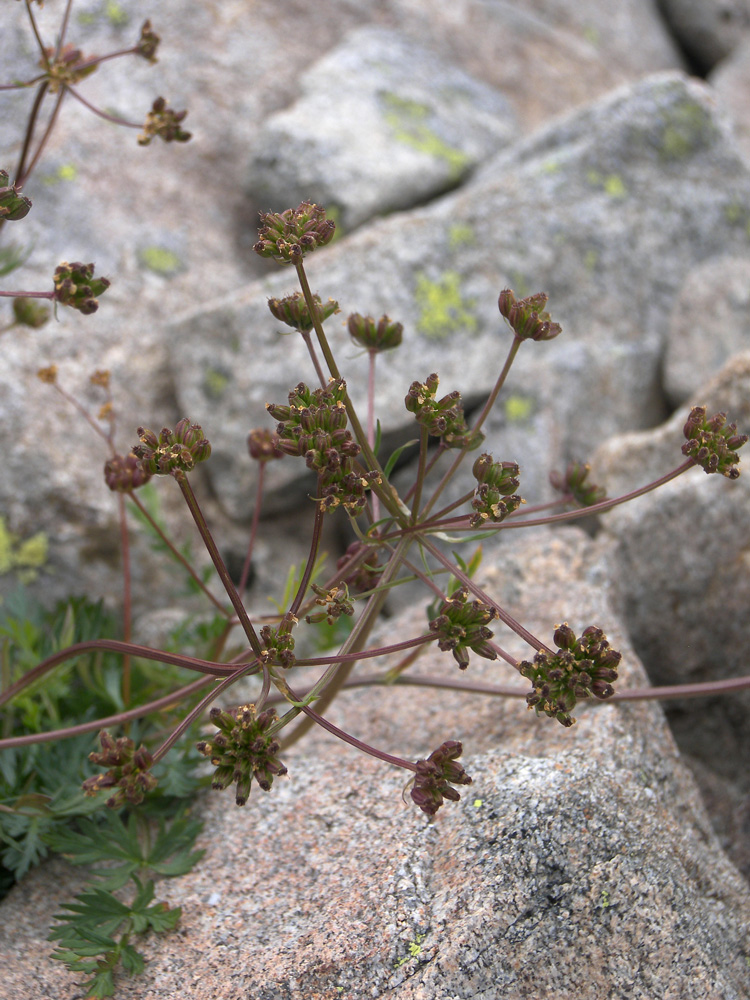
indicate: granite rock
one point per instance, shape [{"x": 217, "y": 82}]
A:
[
  {"x": 381, "y": 124},
  {"x": 590, "y": 842}
]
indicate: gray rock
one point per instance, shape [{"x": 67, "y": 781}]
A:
[
  {"x": 710, "y": 322},
  {"x": 731, "y": 80},
  {"x": 381, "y": 124},
  {"x": 98, "y": 196},
  {"x": 587, "y": 846},
  {"x": 683, "y": 603},
  {"x": 606, "y": 210},
  {"x": 684, "y": 597},
  {"x": 707, "y": 30}
]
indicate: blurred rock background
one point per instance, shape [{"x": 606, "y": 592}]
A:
[{"x": 599, "y": 153}]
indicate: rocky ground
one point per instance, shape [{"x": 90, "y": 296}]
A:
[{"x": 601, "y": 155}]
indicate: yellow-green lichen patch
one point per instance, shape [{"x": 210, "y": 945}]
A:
[
  {"x": 687, "y": 128},
  {"x": 461, "y": 236},
  {"x": 442, "y": 308},
  {"x": 116, "y": 14},
  {"x": 415, "y": 950},
  {"x": 590, "y": 260},
  {"x": 65, "y": 172},
  {"x": 737, "y": 214},
  {"x": 408, "y": 120},
  {"x": 612, "y": 184},
  {"x": 215, "y": 383},
  {"x": 161, "y": 261},
  {"x": 518, "y": 409},
  {"x": 23, "y": 556},
  {"x": 591, "y": 34}
]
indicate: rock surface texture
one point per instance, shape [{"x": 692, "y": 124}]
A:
[
  {"x": 589, "y": 842},
  {"x": 467, "y": 146}
]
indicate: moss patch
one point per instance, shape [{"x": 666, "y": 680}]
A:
[
  {"x": 23, "y": 556},
  {"x": 442, "y": 308}
]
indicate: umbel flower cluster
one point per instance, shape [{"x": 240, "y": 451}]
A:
[
  {"x": 129, "y": 771},
  {"x": 243, "y": 749},
  {"x": 582, "y": 666},
  {"x": 461, "y": 626},
  {"x": 173, "y": 451},
  {"x": 314, "y": 426},
  {"x": 442, "y": 418},
  {"x": 322, "y": 426},
  {"x": 712, "y": 443}
]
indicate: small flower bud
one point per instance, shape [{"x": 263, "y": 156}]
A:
[
  {"x": 288, "y": 236},
  {"x": 148, "y": 43},
  {"x": 76, "y": 286},
  {"x": 293, "y": 311},
  {"x": 13, "y": 205},
  {"x": 527, "y": 317},
  {"x": 164, "y": 122},
  {"x": 380, "y": 335}
]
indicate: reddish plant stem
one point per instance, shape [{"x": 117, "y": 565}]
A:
[
  {"x": 127, "y": 604},
  {"x": 111, "y": 720},
  {"x": 114, "y": 119},
  {"x": 178, "y": 555},
  {"x": 253, "y": 527},
  {"x": 312, "y": 556},
  {"x": 23, "y": 175},
  {"x": 352, "y": 740},
  {"x": 218, "y": 562},
  {"x": 509, "y": 620}
]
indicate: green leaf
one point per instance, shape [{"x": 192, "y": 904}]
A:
[{"x": 396, "y": 455}]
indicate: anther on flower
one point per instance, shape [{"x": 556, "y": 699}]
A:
[
  {"x": 173, "y": 451},
  {"x": 293, "y": 311},
  {"x": 443, "y": 418},
  {"x": 164, "y": 122},
  {"x": 580, "y": 668},
  {"x": 243, "y": 750},
  {"x": 527, "y": 317},
  {"x": 713, "y": 443},
  {"x": 374, "y": 335},
  {"x": 67, "y": 68},
  {"x": 461, "y": 626},
  {"x": 129, "y": 771},
  {"x": 263, "y": 445},
  {"x": 289, "y": 235},
  {"x": 314, "y": 426},
  {"x": 278, "y": 646},
  {"x": 493, "y": 497},
  {"x": 125, "y": 473},
  {"x": 148, "y": 43},
  {"x": 573, "y": 483},
  {"x": 76, "y": 286},
  {"x": 435, "y": 776},
  {"x": 335, "y": 603},
  {"x": 30, "y": 312},
  {"x": 13, "y": 205}
]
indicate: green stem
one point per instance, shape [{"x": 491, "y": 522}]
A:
[
  {"x": 330, "y": 683},
  {"x": 477, "y": 426},
  {"x": 383, "y": 489}
]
